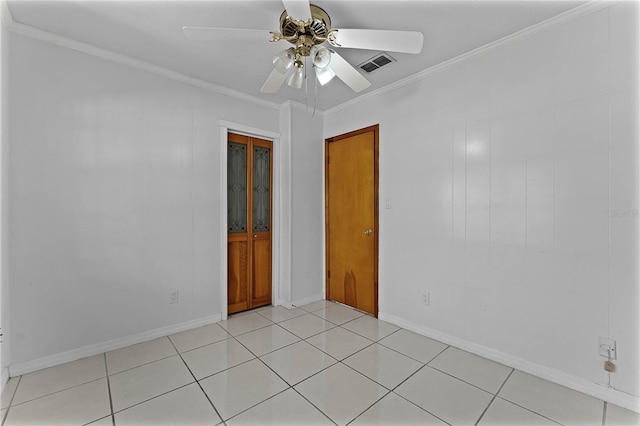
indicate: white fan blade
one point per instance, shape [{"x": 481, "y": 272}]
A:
[
  {"x": 225, "y": 34},
  {"x": 348, "y": 73},
  {"x": 298, "y": 9},
  {"x": 392, "y": 41},
  {"x": 274, "y": 81}
]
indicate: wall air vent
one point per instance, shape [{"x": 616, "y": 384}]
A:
[{"x": 377, "y": 62}]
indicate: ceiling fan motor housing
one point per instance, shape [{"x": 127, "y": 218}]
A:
[{"x": 306, "y": 34}]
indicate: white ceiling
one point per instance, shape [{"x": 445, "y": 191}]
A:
[{"x": 152, "y": 31}]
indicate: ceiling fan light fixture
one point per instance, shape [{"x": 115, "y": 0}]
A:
[
  {"x": 307, "y": 27},
  {"x": 296, "y": 78},
  {"x": 320, "y": 56},
  {"x": 284, "y": 60},
  {"x": 324, "y": 75}
]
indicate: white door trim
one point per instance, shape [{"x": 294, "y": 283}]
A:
[{"x": 225, "y": 128}]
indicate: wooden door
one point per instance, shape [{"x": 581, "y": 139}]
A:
[
  {"x": 352, "y": 219},
  {"x": 249, "y": 206}
]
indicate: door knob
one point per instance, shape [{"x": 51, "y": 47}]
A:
[{"x": 368, "y": 232}]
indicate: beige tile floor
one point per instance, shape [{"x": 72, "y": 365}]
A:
[{"x": 318, "y": 364}]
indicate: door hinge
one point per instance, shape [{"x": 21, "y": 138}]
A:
[
  {"x": 328, "y": 159},
  {"x": 328, "y": 274}
]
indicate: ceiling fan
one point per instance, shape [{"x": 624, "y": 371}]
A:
[{"x": 308, "y": 27}]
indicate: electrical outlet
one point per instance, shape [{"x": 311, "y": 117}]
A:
[
  {"x": 607, "y": 348},
  {"x": 173, "y": 297},
  {"x": 424, "y": 298}
]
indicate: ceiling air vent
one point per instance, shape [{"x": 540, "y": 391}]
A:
[{"x": 377, "y": 62}]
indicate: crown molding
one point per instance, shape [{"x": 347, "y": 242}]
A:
[
  {"x": 567, "y": 16},
  {"x": 46, "y": 36}
]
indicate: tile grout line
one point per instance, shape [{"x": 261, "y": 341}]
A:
[
  {"x": 270, "y": 369},
  {"x": 205, "y": 345},
  {"x": 308, "y": 343},
  {"x": 424, "y": 365},
  {"x": 409, "y": 377},
  {"x": 287, "y": 319},
  {"x": 494, "y": 397},
  {"x": 516, "y": 404},
  {"x": 367, "y": 409},
  {"x": 307, "y": 378},
  {"x": 146, "y": 363},
  {"x": 312, "y": 404},
  {"x": 373, "y": 340},
  {"x": 408, "y": 356},
  {"x": 411, "y": 402},
  {"x": 264, "y": 363},
  {"x": 196, "y": 381},
  {"x": 389, "y": 390},
  {"x": 332, "y": 356},
  {"x": 354, "y": 319},
  {"x": 143, "y": 365},
  {"x": 341, "y": 361},
  {"x": 152, "y": 398},
  {"x": 308, "y": 337},
  {"x": 528, "y": 409},
  {"x": 106, "y": 370},
  {"x": 256, "y": 404},
  {"x": 292, "y": 387},
  {"x": 223, "y": 370},
  {"x": 58, "y": 391},
  {"x": 464, "y": 381},
  {"x": 324, "y": 331},
  {"x": 338, "y": 361},
  {"x": 337, "y": 325},
  {"x": 281, "y": 347},
  {"x": 317, "y": 372},
  {"x": 270, "y": 352},
  {"x": 250, "y": 331},
  {"x": 358, "y": 351},
  {"x": 15, "y": 391}
]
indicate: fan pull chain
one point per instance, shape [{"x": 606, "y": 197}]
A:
[{"x": 306, "y": 86}]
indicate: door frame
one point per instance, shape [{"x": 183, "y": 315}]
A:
[
  {"x": 276, "y": 235},
  {"x": 376, "y": 204}
]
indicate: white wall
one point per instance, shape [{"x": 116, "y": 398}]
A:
[
  {"x": 114, "y": 198},
  {"x": 307, "y": 256},
  {"x": 500, "y": 169}
]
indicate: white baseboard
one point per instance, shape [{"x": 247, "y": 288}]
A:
[
  {"x": 611, "y": 395},
  {"x": 110, "y": 345},
  {"x": 305, "y": 300}
]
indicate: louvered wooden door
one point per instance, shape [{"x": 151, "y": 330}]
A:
[{"x": 249, "y": 207}]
